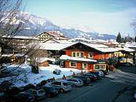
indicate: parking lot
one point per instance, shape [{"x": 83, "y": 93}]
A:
[
  {"x": 113, "y": 88},
  {"x": 117, "y": 86}
]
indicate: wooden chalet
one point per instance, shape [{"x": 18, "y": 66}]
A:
[{"x": 86, "y": 56}]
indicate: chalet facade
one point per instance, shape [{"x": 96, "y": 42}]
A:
[
  {"x": 86, "y": 56},
  {"x": 51, "y": 35}
]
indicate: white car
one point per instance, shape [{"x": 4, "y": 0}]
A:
[
  {"x": 75, "y": 82},
  {"x": 62, "y": 86}
]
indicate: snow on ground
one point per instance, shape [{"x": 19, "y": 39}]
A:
[{"x": 26, "y": 76}]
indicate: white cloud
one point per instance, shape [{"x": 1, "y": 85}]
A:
[{"x": 99, "y": 21}]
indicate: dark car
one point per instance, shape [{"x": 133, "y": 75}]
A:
[
  {"x": 42, "y": 83},
  {"x": 86, "y": 80},
  {"x": 3, "y": 97},
  {"x": 96, "y": 74},
  {"x": 37, "y": 93},
  {"x": 91, "y": 76},
  {"x": 5, "y": 85},
  {"x": 50, "y": 90},
  {"x": 13, "y": 90},
  {"x": 23, "y": 97},
  {"x": 29, "y": 86}
]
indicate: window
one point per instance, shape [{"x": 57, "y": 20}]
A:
[
  {"x": 90, "y": 55},
  {"x": 84, "y": 65},
  {"x": 72, "y": 64},
  {"x": 82, "y": 55},
  {"x": 73, "y": 54},
  {"x": 110, "y": 55},
  {"x": 100, "y": 66},
  {"x": 65, "y": 84},
  {"x": 77, "y": 54},
  {"x": 96, "y": 66},
  {"x": 102, "y": 56}
]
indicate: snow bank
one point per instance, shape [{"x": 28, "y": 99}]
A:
[{"x": 26, "y": 76}]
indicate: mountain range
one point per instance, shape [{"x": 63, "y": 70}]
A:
[{"x": 33, "y": 25}]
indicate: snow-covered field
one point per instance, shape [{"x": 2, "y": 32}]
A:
[{"x": 25, "y": 76}]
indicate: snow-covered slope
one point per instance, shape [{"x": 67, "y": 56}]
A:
[{"x": 35, "y": 25}]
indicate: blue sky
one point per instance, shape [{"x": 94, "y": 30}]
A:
[{"x": 103, "y": 16}]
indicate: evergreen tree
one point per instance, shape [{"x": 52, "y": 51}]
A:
[{"x": 119, "y": 39}]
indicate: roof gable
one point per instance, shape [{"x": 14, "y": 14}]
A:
[{"x": 91, "y": 47}]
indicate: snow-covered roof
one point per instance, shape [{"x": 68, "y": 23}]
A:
[
  {"x": 131, "y": 45},
  {"x": 9, "y": 55},
  {"x": 42, "y": 59},
  {"x": 88, "y": 40},
  {"x": 55, "y": 46},
  {"x": 128, "y": 49},
  {"x": 107, "y": 49},
  {"x": 101, "y": 47},
  {"x": 94, "y": 45},
  {"x": 20, "y": 37},
  {"x": 61, "y": 46},
  {"x": 65, "y": 57},
  {"x": 125, "y": 49}
]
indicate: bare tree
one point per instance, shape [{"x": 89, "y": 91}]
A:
[{"x": 8, "y": 14}]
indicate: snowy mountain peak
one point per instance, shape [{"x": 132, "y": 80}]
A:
[{"x": 34, "y": 25}]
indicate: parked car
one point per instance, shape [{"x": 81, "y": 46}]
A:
[
  {"x": 42, "y": 83},
  {"x": 75, "y": 82},
  {"x": 5, "y": 85},
  {"x": 50, "y": 90},
  {"x": 13, "y": 90},
  {"x": 29, "y": 86},
  {"x": 135, "y": 94},
  {"x": 105, "y": 72},
  {"x": 3, "y": 97},
  {"x": 96, "y": 74},
  {"x": 23, "y": 97},
  {"x": 86, "y": 80},
  {"x": 37, "y": 93},
  {"x": 62, "y": 86},
  {"x": 92, "y": 77}
]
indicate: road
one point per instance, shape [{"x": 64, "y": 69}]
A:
[{"x": 116, "y": 87}]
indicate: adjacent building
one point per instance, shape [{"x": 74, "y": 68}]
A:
[{"x": 52, "y": 36}]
